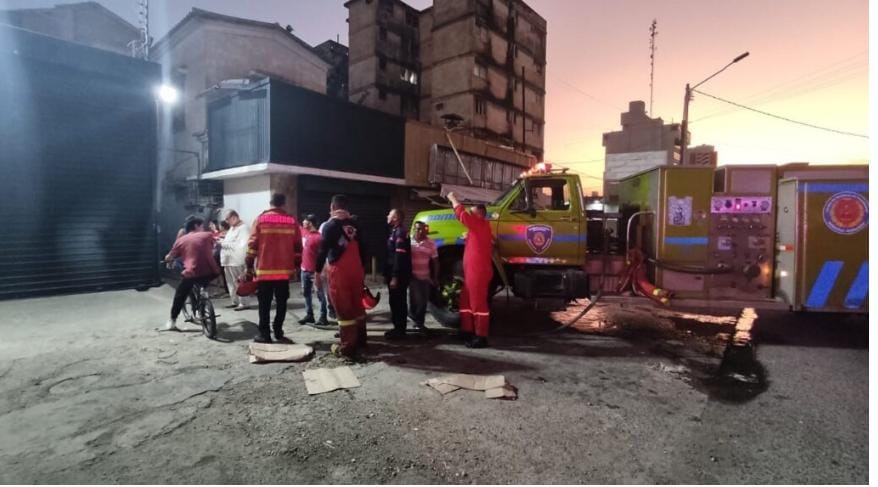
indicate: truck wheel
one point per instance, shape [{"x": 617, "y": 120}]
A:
[{"x": 444, "y": 308}]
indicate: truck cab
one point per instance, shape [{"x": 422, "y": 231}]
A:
[{"x": 539, "y": 238}]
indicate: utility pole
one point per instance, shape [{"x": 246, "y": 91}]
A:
[
  {"x": 684, "y": 126},
  {"x": 523, "y": 114},
  {"x": 653, "y": 32}
]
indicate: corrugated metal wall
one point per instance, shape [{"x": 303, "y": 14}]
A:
[
  {"x": 78, "y": 159},
  {"x": 296, "y": 126}
]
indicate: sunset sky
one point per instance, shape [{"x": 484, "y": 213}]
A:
[{"x": 808, "y": 62}]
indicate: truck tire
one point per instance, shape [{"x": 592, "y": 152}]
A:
[{"x": 450, "y": 268}]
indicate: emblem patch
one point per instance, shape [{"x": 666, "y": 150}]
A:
[
  {"x": 539, "y": 238},
  {"x": 846, "y": 213}
]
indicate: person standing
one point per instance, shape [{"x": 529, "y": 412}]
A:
[
  {"x": 310, "y": 277},
  {"x": 475, "y": 313},
  {"x": 425, "y": 272},
  {"x": 195, "y": 249},
  {"x": 341, "y": 253},
  {"x": 398, "y": 273},
  {"x": 325, "y": 281},
  {"x": 273, "y": 247},
  {"x": 233, "y": 255}
]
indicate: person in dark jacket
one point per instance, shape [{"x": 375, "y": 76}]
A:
[{"x": 398, "y": 272}]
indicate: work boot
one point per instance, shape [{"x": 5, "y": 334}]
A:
[
  {"x": 280, "y": 338},
  {"x": 309, "y": 318},
  {"x": 260, "y": 338},
  {"x": 477, "y": 342},
  {"x": 464, "y": 336},
  {"x": 394, "y": 334}
]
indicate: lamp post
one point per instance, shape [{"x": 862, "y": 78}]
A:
[{"x": 684, "y": 128}]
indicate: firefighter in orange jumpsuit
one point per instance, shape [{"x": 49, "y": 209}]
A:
[
  {"x": 475, "y": 314},
  {"x": 341, "y": 252}
]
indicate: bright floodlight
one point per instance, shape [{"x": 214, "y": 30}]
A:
[{"x": 167, "y": 94}]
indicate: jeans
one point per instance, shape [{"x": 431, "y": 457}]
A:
[
  {"x": 183, "y": 292},
  {"x": 307, "y": 286},
  {"x": 419, "y": 295},
  {"x": 280, "y": 290}
]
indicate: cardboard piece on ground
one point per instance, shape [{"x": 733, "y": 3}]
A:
[
  {"x": 506, "y": 392},
  {"x": 495, "y": 386},
  {"x": 318, "y": 381},
  {"x": 278, "y": 352}
]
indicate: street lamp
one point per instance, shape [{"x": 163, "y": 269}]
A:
[
  {"x": 685, "y": 125},
  {"x": 167, "y": 94}
]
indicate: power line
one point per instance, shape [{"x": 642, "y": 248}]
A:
[
  {"x": 805, "y": 83},
  {"x": 779, "y": 117},
  {"x": 580, "y": 90}
]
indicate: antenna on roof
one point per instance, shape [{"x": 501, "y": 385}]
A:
[
  {"x": 653, "y": 32},
  {"x": 140, "y": 47}
]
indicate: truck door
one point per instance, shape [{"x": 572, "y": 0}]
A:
[{"x": 544, "y": 228}]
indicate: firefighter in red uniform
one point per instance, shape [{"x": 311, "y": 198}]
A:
[
  {"x": 475, "y": 315},
  {"x": 341, "y": 252},
  {"x": 275, "y": 246}
]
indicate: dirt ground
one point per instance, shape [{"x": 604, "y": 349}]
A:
[{"x": 92, "y": 392}]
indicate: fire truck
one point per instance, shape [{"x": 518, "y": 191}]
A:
[{"x": 794, "y": 235}]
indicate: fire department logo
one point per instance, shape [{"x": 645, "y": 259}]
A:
[
  {"x": 539, "y": 238},
  {"x": 846, "y": 213}
]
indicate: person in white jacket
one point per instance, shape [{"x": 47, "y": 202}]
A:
[{"x": 233, "y": 250}]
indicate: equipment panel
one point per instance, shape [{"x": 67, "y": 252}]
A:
[{"x": 741, "y": 252}]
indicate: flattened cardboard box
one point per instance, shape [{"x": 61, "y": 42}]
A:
[{"x": 318, "y": 381}]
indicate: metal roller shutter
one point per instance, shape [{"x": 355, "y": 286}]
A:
[
  {"x": 79, "y": 169},
  {"x": 367, "y": 203}
]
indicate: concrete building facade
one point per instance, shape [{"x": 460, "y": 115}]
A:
[
  {"x": 87, "y": 23},
  {"x": 643, "y": 143},
  {"x": 336, "y": 55},
  {"x": 481, "y": 60},
  {"x": 203, "y": 56}
]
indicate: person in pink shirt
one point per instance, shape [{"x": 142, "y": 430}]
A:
[
  {"x": 195, "y": 248},
  {"x": 425, "y": 271},
  {"x": 310, "y": 278}
]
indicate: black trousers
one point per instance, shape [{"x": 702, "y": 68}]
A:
[
  {"x": 280, "y": 291},
  {"x": 398, "y": 305},
  {"x": 183, "y": 292}
]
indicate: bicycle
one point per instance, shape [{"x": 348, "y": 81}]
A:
[{"x": 199, "y": 308}]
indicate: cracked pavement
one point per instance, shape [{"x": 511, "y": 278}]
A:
[{"x": 92, "y": 392}]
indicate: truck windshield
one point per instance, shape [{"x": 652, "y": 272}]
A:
[{"x": 505, "y": 194}]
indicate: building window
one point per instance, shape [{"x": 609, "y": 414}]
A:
[
  {"x": 382, "y": 64},
  {"x": 382, "y": 95},
  {"x": 382, "y": 34},
  {"x": 480, "y": 106},
  {"x": 480, "y": 71}
]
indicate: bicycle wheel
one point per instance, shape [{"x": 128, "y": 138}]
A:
[
  {"x": 208, "y": 318},
  {"x": 190, "y": 308}
]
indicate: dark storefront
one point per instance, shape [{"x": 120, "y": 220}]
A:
[
  {"x": 330, "y": 146},
  {"x": 78, "y": 161}
]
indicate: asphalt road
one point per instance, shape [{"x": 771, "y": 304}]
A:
[{"x": 91, "y": 392}]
